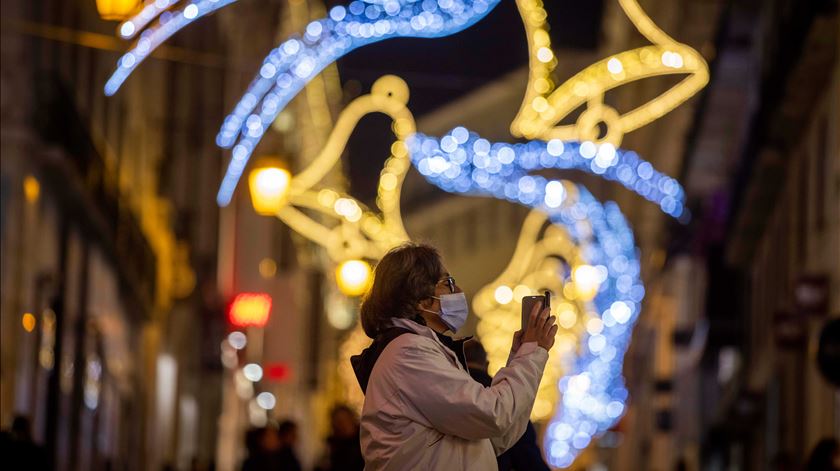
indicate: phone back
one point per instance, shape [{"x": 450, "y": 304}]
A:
[{"x": 528, "y": 303}]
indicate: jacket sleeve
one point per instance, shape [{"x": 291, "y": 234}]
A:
[
  {"x": 506, "y": 440},
  {"x": 454, "y": 404}
]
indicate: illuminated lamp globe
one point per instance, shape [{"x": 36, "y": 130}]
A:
[
  {"x": 116, "y": 10},
  {"x": 269, "y": 184},
  {"x": 353, "y": 277}
]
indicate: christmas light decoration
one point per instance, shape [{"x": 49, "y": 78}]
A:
[
  {"x": 592, "y": 387},
  {"x": 464, "y": 160},
  {"x": 288, "y": 68},
  {"x": 169, "y": 23},
  {"x": 571, "y": 243},
  {"x": 545, "y": 105}
]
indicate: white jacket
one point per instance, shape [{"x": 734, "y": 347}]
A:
[{"x": 423, "y": 411}]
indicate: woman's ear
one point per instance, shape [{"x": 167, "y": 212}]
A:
[{"x": 425, "y": 303}]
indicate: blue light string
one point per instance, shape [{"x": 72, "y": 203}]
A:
[
  {"x": 466, "y": 160},
  {"x": 288, "y": 68},
  {"x": 168, "y": 24},
  {"x": 151, "y": 10},
  {"x": 593, "y": 392}
]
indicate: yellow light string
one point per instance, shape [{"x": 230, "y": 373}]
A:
[
  {"x": 535, "y": 264},
  {"x": 544, "y": 105},
  {"x": 366, "y": 234}
]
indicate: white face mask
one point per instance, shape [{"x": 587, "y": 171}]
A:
[{"x": 454, "y": 310}]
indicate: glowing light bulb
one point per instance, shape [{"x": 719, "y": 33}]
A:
[
  {"x": 503, "y": 294},
  {"x": 253, "y": 372},
  {"x": 555, "y": 193},
  {"x": 567, "y": 318},
  {"x": 266, "y": 400},
  {"x": 614, "y": 66},
  {"x": 520, "y": 292},
  {"x": 545, "y": 54},
  {"x": 586, "y": 282},
  {"x": 237, "y": 340},
  {"x": 127, "y": 29}
]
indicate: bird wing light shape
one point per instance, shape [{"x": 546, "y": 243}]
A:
[{"x": 287, "y": 69}]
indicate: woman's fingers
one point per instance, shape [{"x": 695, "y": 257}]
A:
[
  {"x": 533, "y": 319},
  {"x": 543, "y": 319},
  {"x": 549, "y": 322},
  {"x": 542, "y": 327},
  {"x": 551, "y": 335}
]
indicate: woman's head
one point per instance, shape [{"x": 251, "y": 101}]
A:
[{"x": 406, "y": 276}]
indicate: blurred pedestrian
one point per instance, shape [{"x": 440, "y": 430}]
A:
[
  {"x": 782, "y": 461},
  {"x": 288, "y": 434},
  {"x": 19, "y": 450},
  {"x": 344, "y": 452},
  {"x": 422, "y": 409},
  {"x": 825, "y": 456},
  {"x": 271, "y": 448},
  {"x": 525, "y": 454}
]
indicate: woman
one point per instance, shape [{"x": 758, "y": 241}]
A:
[{"x": 422, "y": 409}]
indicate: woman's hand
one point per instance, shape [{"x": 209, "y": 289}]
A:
[
  {"x": 541, "y": 329},
  {"x": 517, "y": 341}
]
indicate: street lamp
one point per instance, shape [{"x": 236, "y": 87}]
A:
[
  {"x": 353, "y": 277},
  {"x": 269, "y": 185},
  {"x": 116, "y": 10}
]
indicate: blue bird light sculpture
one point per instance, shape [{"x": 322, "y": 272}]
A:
[{"x": 289, "y": 67}]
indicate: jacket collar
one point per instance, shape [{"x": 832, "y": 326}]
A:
[{"x": 453, "y": 347}]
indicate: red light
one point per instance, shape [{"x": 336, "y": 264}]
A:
[
  {"x": 279, "y": 372},
  {"x": 250, "y": 310}
]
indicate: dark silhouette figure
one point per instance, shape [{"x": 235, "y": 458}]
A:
[
  {"x": 782, "y": 461},
  {"x": 18, "y": 449},
  {"x": 344, "y": 451},
  {"x": 525, "y": 455},
  {"x": 288, "y": 433},
  {"x": 271, "y": 448},
  {"x": 825, "y": 456}
]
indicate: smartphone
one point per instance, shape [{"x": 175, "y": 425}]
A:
[{"x": 528, "y": 303}]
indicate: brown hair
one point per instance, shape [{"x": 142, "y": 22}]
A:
[{"x": 406, "y": 275}]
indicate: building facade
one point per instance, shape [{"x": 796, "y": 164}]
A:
[
  {"x": 775, "y": 258},
  {"x": 110, "y": 320}
]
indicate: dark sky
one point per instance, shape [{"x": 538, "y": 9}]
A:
[{"x": 441, "y": 70}]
